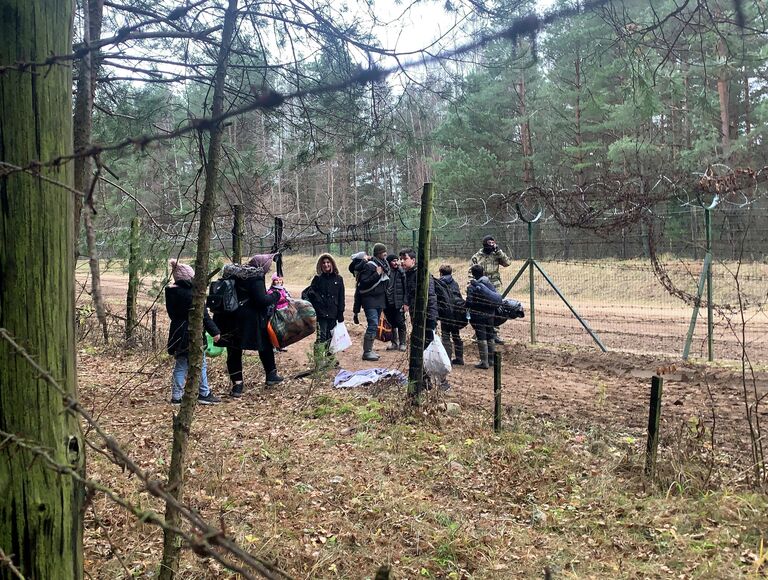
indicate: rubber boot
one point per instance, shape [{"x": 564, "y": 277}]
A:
[
  {"x": 403, "y": 339},
  {"x": 491, "y": 351},
  {"x": 368, "y": 353},
  {"x": 459, "y": 360},
  {"x": 394, "y": 345},
  {"x": 482, "y": 349},
  {"x": 496, "y": 338}
]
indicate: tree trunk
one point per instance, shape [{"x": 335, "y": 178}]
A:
[
  {"x": 722, "y": 93},
  {"x": 82, "y": 130},
  {"x": 93, "y": 263},
  {"x": 579, "y": 139},
  {"x": 747, "y": 104},
  {"x": 131, "y": 318},
  {"x": 41, "y": 525},
  {"x": 93, "y": 13},
  {"x": 182, "y": 423},
  {"x": 525, "y": 133}
]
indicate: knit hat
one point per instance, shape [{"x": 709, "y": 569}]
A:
[
  {"x": 379, "y": 249},
  {"x": 275, "y": 276},
  {"x": 263, "y": 261},
  {"x": 391, "y": 257},
  {"x": 180, "y": 271}
]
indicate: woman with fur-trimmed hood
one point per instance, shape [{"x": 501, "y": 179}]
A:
[{"x": 326, "y": 293}]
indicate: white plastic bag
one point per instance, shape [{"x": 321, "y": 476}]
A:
[
  {"x": 340, "y": 339},
  {"x": 437, "y": 364}
]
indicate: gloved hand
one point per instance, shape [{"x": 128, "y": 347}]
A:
[{"x": 355, "y": 319}]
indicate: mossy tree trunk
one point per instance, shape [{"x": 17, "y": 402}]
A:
[{"x": 40, "y": 510}]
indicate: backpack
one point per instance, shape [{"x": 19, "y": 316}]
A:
[
  {"x": 222, "y": 296},
  {"x": 451, "y": 307}
]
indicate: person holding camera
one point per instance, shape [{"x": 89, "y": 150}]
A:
[{"x": 491, "y": 257}]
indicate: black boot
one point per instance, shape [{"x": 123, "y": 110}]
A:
[
  {"x": 459, "y": 360},
  {"x": 273, "y": 378}
]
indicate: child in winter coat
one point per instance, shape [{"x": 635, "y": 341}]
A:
[
  {"x": 178, "y": 302},
  {"x": 277, "y": 287}
]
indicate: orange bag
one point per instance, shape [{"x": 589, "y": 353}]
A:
[{"x": 384, "y": 331}]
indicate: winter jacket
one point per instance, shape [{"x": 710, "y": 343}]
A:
[
  {"x": 396, "y": 289},
  {"x": 370, "y": 287},
  {"x": 178, "y": 303},
  {"x": 490, "y": 263},
  {"x": 326, "y": 292},
  {"x": 410, "y": 297},
  {"x": 457, "y": 315},
  {"x": 482, "y": 297},
  {"x": 246, "y": 327}
]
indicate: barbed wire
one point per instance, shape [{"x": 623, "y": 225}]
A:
[{"x": 206, "y": 537}]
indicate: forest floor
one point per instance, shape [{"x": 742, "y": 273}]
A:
[{"x": 332, "y": 483}]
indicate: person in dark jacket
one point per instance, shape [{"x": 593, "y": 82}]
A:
[
  {"x": 370, "y": 295},
  {"x": 246, "y": 327},
  {"x": 395, "y": 300},
  {"x": 408, "y": 263},
  {"x": 326, "y": 293},
  {"x": 449, "y": 329},
  {"x": 482, "y": 300},
  {"x": 178, "y": 303}
]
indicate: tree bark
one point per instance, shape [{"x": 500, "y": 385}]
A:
[
  {"x": 183, "y": 422},
  {"x": 93, "y": 13},
  {"x": 83, "y": 127},
  {"x": 131, "y": 318},
  {"x": 41, "y": 524},
  {"x": 722, "y": 93}
]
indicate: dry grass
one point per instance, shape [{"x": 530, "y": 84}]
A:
[{"x": 333, "y": 484}]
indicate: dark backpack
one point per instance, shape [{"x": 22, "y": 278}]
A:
[
  {"x": 451, "y": 307},
  {"x": 222, "y": 296}
]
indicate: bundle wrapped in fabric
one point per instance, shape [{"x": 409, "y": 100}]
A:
[
  {"x": 291, "y": 324},
  {"x": 509, "y": 309}
]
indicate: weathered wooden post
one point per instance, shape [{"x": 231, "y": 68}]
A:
[
  {"x": 133, "y": 280},
  {"x": 654, "y": 417},
  {"x": 237, "y": 235},
  {"x": 419, "y": 312},
  {"x": 497, "y": 391}
]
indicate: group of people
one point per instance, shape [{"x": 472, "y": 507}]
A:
[{"x": 384, "y": 284}]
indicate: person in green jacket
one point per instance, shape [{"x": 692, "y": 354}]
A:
[{"x": 491, "y": 257}]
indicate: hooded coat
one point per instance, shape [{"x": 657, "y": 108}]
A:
[
  {"x": 371, "y": 289},
  {"x": 246, "y": 327},
  {"x": 178, "y": 303},
  {"x": 326, "y": 291}
]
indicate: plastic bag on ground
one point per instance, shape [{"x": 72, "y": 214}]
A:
[{"x": 437, "y": 363}]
